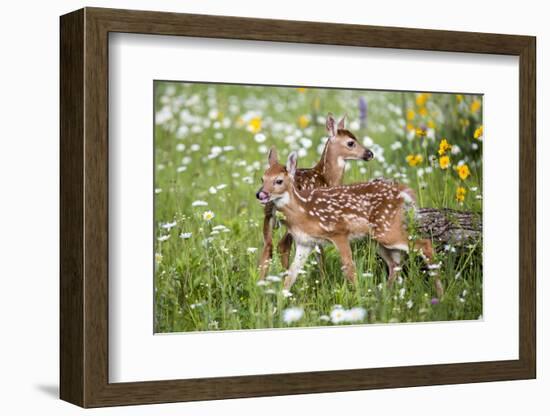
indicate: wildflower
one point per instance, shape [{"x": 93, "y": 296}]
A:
[
  {"x": 199, "y": 203},
  {"x": 221, "y": 186},
  {"x": 356, "y": 314},
  {"x": 255, "y": 125},
  {"x": 213, "y": 324},
  {"x": 338, "y": 315},
  {"x": 301, "y": 90},
  {"x": 421, "y": 131},
  {"x": 259, "y": 138},
  {"x": 292, "y": 315},
  {"x": 158, "y": 257},
  {"x": 303, "y": 121},
  {"x": 273, "y": 278},
  {"x": 434, "y": 301},
  {"x": 195, "y": 147},
  {"x": 185, "y": 236},
  {"x": 363, "y": 112},
  {"x": 423, "y": 112},
  {"x": 212, "y": 190},
  {"x": 163, "y": 238},
  {"x": 421, "y": 99},
  {"x": 414, "y": 160},
  {"x": 475, "y": 106},
  {"x": 409, "y": 304},
  {"x": 208, "y": 215},
  {"x": 402, "y": 293},
  {"x": 444, "y": 162},
  {"x": 286, "y": 293},
  {"x": 459, "y": 98},
  {"x": 251, "y": 250},
  {"x": 443, "y": 147},
  {"x": 324, "y": 318},
  {"x": 261, "y": 283},
  {"x": 463, "y": 171},
  {"x": 460, "y": 194},
  {"x": 410, "y": 114},
  {"x": 431, "y": 124},
  {"x": 169, "y": 225},
  {"x": 478, "y": 133},
  {"x": 396, "y": 145}
]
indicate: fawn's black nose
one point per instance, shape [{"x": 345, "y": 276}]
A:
[
  {"x": 258, "y": 194},
  {"x": 368, "y": 155}
]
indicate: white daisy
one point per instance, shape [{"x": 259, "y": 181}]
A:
[{"x": 291, "y": 315}]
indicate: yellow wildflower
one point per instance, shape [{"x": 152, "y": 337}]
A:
[
  {"x": 475, "y": 106},
  {"x": 460, "y": 194},
  {"x": 431, "y": 124},
  {"x": 303, "y": 121},
  {"x": 443, "y": 147},
  {"x": 421, "y": 99},
  {"x": 410, "y": 114},
  {"x": 255, "y": 125},
  {"x": 302, "y": 89},
  {"x": 316, "y": 103},
  {"x": 463, "y": 171},
  {"x": 423, "y": 112},
  {"x": 421, "y": 132},
  {"x": 478, "y": 133},
  {"x": 459, "y": 98},
  {"x": 414, "y": 160},
  {"x": 158, "y": 257},
  {"x": 464, "y": 122},
  {"x": 444, "y": 162},
  {"x": 410, "y": 127}
]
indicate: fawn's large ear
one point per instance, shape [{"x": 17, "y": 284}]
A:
[
  {"x": 331, "y": 125},
  {"x": 272, "y": 158},
  {"x": 342, "y": 123},
  {"x": 291, "y": 163}
]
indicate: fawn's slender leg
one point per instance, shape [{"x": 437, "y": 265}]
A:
[
  {"x": 302, "y": 253},
  {"x": 426, "y": 248},
  {"x": 284, "y": 247},
  {"x": 348, "y": 266},
  {"x": 267, "y": 251},
  {"x": 392, "y": 259}
]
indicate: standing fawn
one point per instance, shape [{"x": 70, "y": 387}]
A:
[
  {"x": 339, "y": 214},
  {"x": 341, "y": 145}
]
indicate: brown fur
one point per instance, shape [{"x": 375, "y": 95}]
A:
[
  {"x": 327, "y": 172},
  {"x": 341, "y": 213}
]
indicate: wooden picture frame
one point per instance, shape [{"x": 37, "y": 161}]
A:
[{"x": 84, "y": 207}]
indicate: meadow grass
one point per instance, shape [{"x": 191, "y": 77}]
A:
[{"x": 211, "y": 143}]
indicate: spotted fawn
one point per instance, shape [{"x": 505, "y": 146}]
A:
[
  {"x": 338, "y": 214},
  {"x": 341, "y": 145}
]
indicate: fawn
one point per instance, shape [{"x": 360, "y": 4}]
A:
[
  {"x": 341, "y": 213},
  {"x": 341, "y": 145}
]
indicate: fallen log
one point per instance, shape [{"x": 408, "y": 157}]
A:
[{"x": 449, "y": 226}]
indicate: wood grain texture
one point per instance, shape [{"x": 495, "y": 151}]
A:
[
  {"x": 71, "y": 184},
  {"x": 84, "y": 207}
]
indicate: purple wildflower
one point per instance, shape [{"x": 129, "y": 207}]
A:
[
  {"x": 435, "y": 301},
  {"x": 363, "y": 112}
]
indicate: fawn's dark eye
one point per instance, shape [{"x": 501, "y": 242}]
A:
[
  {"x": 351, "y": 144},
  {"x": 279, "y": 182}
]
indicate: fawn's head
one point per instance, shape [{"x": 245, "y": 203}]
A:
[
  {"x": 342, "y": 143},
  {"x": 277, "y": 179}
]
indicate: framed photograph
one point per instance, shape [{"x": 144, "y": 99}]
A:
[{"x": 255, "y": 207}]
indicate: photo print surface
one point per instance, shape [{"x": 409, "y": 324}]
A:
[{"x": 280, "y": 207}]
